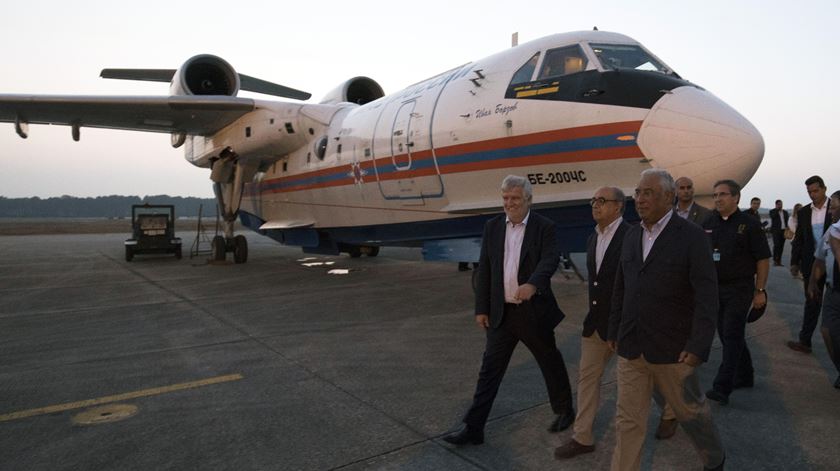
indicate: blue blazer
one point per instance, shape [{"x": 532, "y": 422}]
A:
[
  {"x": 667, "y": 303},
  {"x": 538, "y": 261},
  {"x": 601, "y": 284}
]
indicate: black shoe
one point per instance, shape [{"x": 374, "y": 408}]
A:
[
  {"x": 465, "y": 436},
  {"x": 717, "y": 396},
  {"x": 562, "y": 421},
  {"x": 718, "y": 467}
]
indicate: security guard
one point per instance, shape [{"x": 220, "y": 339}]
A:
[{"x": 742, "y": 258}]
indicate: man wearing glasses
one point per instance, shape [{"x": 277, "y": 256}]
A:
[{"x": 742, "y": 260}]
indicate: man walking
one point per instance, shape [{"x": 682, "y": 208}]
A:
[
  {"x": 513, "y": 303},
  {"x": 687, "y": 208},
  {"x": 811, "y": 223},
  {"x": 662, "y": 323},
  {"x": 778, "y": 224},
  {"x": 742, "y": 259}
]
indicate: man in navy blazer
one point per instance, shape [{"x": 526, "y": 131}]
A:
[
  {"x": 662, "y": 323},
  {"x": 811, "y": 223},
  {"x": 513, "y": 303}
]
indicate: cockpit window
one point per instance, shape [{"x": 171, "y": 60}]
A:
[
  {"x": 563, "y": 61},
  {"x": 626, "y": 56},
  {"x": 526, "y": 71}
]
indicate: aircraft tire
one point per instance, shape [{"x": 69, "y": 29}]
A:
[
  {"x": 372, "y": 251},
  {"x": 354, "y": 251},
  {"x": 240, "y": 249},
  {"x": 129, "y": 253},
  {"x": 218, "y": 249}
]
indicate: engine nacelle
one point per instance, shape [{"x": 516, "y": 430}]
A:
[
  {"x": 205, "y": 74},
  {"x": 358, "y": 90}
]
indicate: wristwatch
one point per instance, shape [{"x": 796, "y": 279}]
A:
[{"x": 760, "y": 290}]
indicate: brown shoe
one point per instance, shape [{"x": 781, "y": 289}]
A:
[
  {"x": 666, "y": 429},
  {"x": 798, "y": 346},
  {"x": 572, "y": 449}
]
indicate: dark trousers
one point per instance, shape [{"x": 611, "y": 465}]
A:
[
  {"x": 778, "y": 245},
  {"x": 736, "y": 366},
  {"x": 518, "y": 324},
  {"x": 831, "y": 325},
  {"x": 811, "y": 312}
]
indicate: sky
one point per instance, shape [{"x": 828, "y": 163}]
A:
[{"x": 775, "y": 62}]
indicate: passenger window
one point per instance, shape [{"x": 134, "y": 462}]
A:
[
  {"x": 525, "y": 72},
  {"x": 563, "y": 61}
]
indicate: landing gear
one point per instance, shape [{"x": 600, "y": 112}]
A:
[
  {"x": 238, "y": 245},
  {"x": 240, "y": 249},
  {"x": 356, "y": 251}
]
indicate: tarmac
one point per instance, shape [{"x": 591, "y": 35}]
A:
[{"x": 277, "y": 364}]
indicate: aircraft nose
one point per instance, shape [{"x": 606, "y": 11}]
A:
[{"x": 692, "y": 133}]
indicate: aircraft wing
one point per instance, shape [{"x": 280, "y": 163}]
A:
[{"x": 200, "y": 115}]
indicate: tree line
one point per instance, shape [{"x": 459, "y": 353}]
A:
[{"x": 114, "y": 206}]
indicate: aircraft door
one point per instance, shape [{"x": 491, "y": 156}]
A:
[{"x": 411, "y": 173}]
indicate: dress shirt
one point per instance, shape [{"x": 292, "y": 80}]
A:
[
  {"x": 684, "y": 214},
  {"x": 824, "y": 252},
  {"x": 650, "y": 236},
  {"x": 514, "y": 233},
  {"x": 604, "y": 239},
  {"x": 782, "y": 222},
  {"x": 818, "y": 221}
]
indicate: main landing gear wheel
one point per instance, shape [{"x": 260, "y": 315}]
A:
[
  {"x": 240, "y": 249},
  {"x": 129, "y": 254},
  {"x": 218, "y": 249}
]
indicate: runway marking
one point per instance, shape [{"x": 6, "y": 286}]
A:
[{"x": 118, "y": 397}]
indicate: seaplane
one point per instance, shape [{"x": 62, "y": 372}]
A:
[{"x": 422, "y": 167}]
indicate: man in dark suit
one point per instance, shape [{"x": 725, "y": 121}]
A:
[
  {"x": 513, "y": 303},
  {"x": 811, "y": 223},
  {"x": 662, "y": 322},
  {"x": 778, "y": 224},
  {"x": 687, "y": 208}
]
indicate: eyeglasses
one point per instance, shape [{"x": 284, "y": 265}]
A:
[
  {"x": 720, "y": 195},
  {"x": 599, "y": 201}
]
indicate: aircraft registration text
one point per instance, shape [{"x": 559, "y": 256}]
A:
[{"x": 573, "y": 176}]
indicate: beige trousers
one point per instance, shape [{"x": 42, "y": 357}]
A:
[
  {"x": 595, "y": 354},
  {"x": 678, "y": 384}
]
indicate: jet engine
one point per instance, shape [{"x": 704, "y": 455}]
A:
[
  {"x": 205, "y": 75},
  {"x": 358, "y": 90}
]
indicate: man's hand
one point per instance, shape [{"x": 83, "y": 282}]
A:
[
  {"x": 794, "y": 270},
  {"x": 813, "y": 291},
  {"x": 759, "y": 299},
  {"x": 613, "y": 345},
  {"x": 525, "y": 292},
  {"x": 689, "y": 359},
  {"x": 483, "y": 320}
]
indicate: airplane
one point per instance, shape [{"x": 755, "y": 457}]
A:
[{"x": 422, "y": 167}]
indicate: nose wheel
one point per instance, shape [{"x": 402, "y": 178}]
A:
[{"x": 238, "y": 245}]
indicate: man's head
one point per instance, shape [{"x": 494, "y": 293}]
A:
[
  {"x": 755, "y": 203},
  {"x": 607, "y": 205},
  {"x": 516, "y": 197},
  {"x": 685, "y": 190},
  {"x": 779, "y": 204},
  {"x": 727, "y": 195},
  {"x": 835, "y": 207},
  {"x": 654, "y": 195},
  {"x": 816, "y": 189}
]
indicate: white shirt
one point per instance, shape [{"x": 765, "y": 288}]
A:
[
  {"x": 782, "y": 222},
  {"x": 604, "y": 239},
  {"x": 684, "y": 214},
  {"x": 818, "y": 220},
  {"x": 824, "y": 252},
  {"x": 650, "y": 236},
  {"x": 514, "y": 234}
]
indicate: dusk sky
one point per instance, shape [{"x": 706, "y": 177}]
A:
[{"x": 774, "y": 62}]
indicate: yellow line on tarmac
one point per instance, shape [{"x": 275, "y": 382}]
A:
[{"x": 118, "y": 397}]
